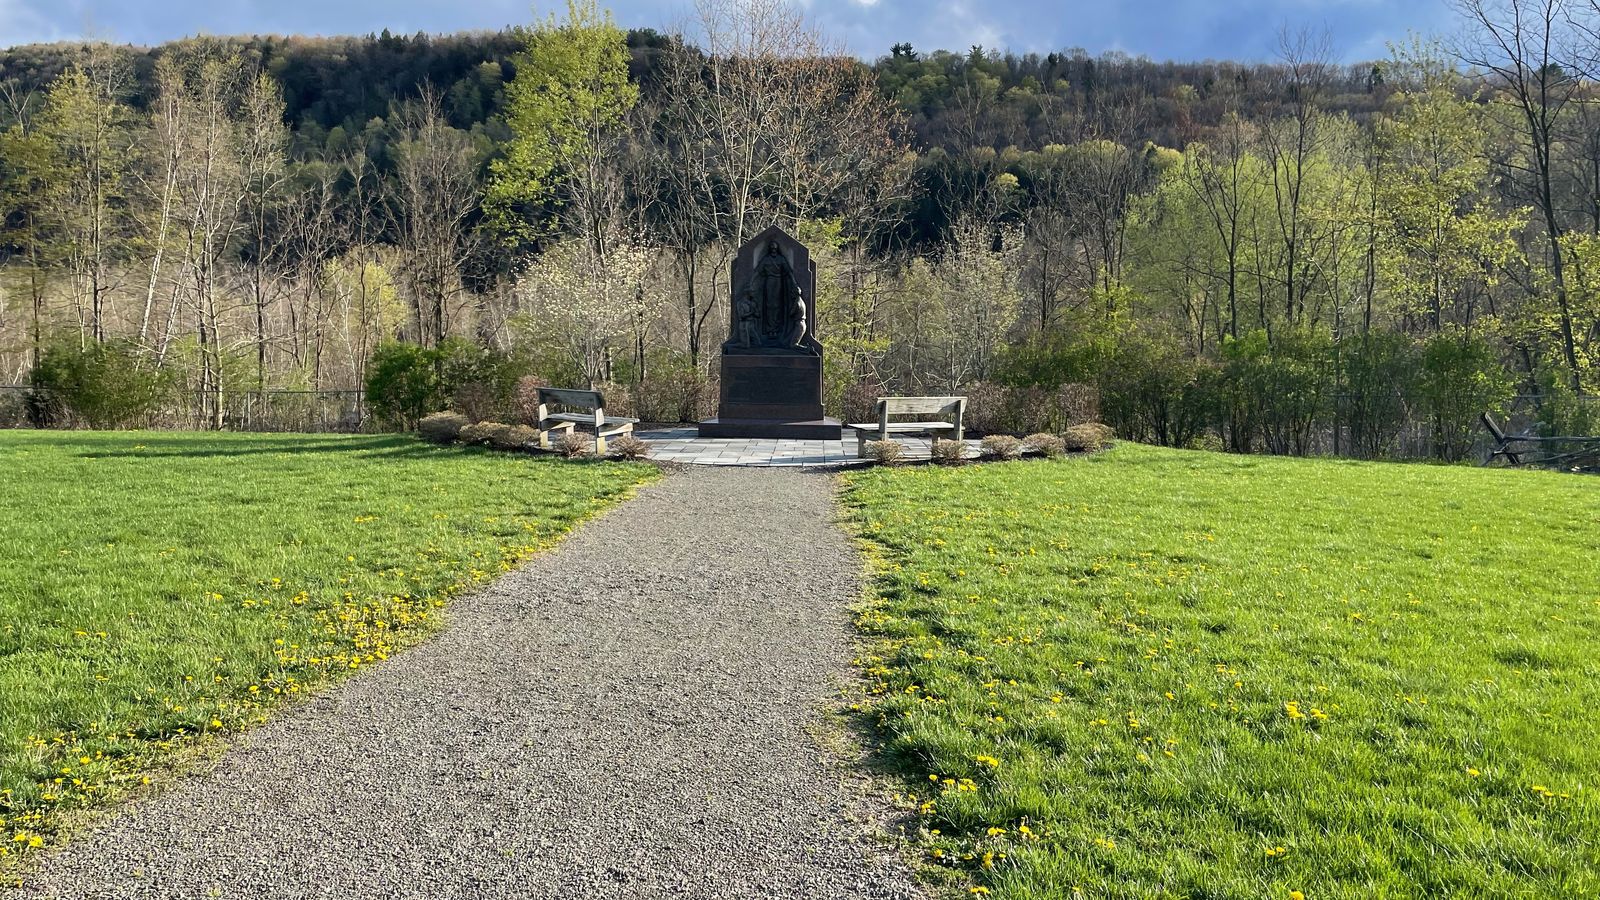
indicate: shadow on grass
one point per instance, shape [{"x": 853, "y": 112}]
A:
[{"x": 385, "y": 446}]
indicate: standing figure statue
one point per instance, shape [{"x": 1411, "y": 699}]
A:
[{"x": 769, "y": 309}]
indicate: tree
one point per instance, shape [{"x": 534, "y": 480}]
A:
[
  {"x": 570, "y": 92},
  {"x": 1444, "y": 243},
  {"x": 1518, "y": 44},
  {"x": 435, "y": 192},
  {"x": 88, "y": 133}
]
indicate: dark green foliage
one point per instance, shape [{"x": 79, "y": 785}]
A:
[
  {"x": 402, "y": 384},
  {"x": 1461, "y": 378},
  {"x": 1285, "y": 393},
  {"x": 108, "y": 385},
  {"x": 1282, "y": 387},
  {"x": 1379, "y": 370},
  {"x": 1562, "y": 413},
  {"x": 406, "y": 381}
]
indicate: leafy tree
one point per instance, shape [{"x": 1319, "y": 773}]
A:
[
  {"x": 571, "y": 88},
  {"x": 87, "y": 132},
  {"x": 1443, "y": 243}
]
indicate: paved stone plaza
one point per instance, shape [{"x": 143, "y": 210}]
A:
[{"x": 684, "y": 445}]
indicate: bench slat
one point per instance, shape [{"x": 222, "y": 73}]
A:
[
  {"x": 918, "y": 405},
  {"x": 569, "y": 397},
  {"x": 905, "y": 427},
  {"x": 582, "y": 419}
]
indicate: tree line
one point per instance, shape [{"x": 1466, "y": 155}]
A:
[{"x": 1296, "y": 256}]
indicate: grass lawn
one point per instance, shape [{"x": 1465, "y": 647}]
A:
[
  {"x": 156, "y": 588},
  {"x": 1156, "y": 673}
]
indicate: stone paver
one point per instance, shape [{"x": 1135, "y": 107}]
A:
[{"x": 684, "y": 445}]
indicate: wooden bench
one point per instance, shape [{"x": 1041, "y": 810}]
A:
[
  {"x": 949, "y": 409},
  {"x": 594, "y": 414}
]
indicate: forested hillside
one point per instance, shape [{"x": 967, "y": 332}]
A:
[{"x": 1293, "y": 256}]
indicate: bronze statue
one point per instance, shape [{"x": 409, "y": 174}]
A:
[{"x": 769, "y": 309}]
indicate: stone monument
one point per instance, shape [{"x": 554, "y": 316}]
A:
[{"x": 772, "y": 361}]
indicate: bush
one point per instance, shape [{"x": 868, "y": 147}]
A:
[
  {"x": 1280, "y": 388},
  {"x": 885, "y": 453},
  {"x": 1088, "y": 437},
  {"x": 478, "y": 433},
  {"x": 526, "y": 398},
  {"x": 514, "y": 437},
  {"x": 406, "y": 381},
  {"x": 442, "y": 427},
  {"x": 105, "y": 385},
  {"x": 1562, "y": 412},
  {"x": 628, "y": 447},
  {"x": 948, "y": 450},
  {"x": 1044, "y": 444},
  {"x": 1379, "y": 378},
  {"x": 858, "y": 402},
  {"x": 1461, "y": 379},
  {"x": 619, "y": 400},
  {"x": 986, "y": 407},
  {"x": 674, "y": 395},
  {"x": 402, "y": 384},
  {"x": 14, "y": 409},
  {"x": 1075, "y": 404},
  {"x": 1027, "y": 409},
  {"x": 477, "y": 381},
  {"x": 1002, "y": 446},
  {"x": 574, "y": 444}
]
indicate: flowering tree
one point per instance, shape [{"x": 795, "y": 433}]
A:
[{"x": 586, "y": 302}]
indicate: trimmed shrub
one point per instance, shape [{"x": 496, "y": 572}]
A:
[
  {"x": 442, "y": 427},
  {"x": 619, "y": 399},
  {"x": 478, "y": 433},
  {"x": 1044, "y": 444},
  {"x": 514, "y": 437},
  {"x": 1002, "y": 446},
  {"x": 574, "y": 444},
  {"x": 627, "y": 447},
  {"x": 885, "y": 453},
  {"x": 948, "y": 450},
  {"x": 1088, "y": 437}
]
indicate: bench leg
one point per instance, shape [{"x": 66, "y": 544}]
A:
[{"x": 545, "y": 430}]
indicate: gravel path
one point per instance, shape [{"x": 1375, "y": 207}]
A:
[{"x": 625, "y": 717}]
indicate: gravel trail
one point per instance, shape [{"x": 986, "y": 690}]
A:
[{"x": 626, "y": 716}]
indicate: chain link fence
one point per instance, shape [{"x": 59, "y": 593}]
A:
[{"x": 271, "y": 411}]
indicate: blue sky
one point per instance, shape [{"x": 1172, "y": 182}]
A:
[{"x": 1162, "y": 29}]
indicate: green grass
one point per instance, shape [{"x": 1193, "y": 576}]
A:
[
  {"x": 159, "y": 588},
  {"x": 1169, "y": 665}
]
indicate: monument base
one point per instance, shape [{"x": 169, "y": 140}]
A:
[{"x": 814, "y": 430}]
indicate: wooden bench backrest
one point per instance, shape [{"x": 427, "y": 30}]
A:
[
  {"x": 913, "y": 406},
  {"x": 565, "y": 397}
]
